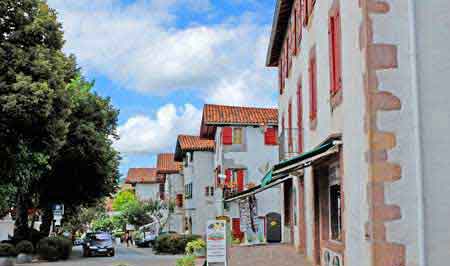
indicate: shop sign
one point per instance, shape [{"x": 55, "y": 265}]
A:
[{"x": 216, "y": 241}]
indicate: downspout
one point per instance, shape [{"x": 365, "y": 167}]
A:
[{"x": 418, "y": 135}]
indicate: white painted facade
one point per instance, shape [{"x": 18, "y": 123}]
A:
[
  {"x": 421, "y": 33},
  {"x": 256, "y": 158},
  {"x": 199, "y": 172},
  {"x": 174, "y": 186},
  {"x": 147, "y": 191},
  {"x": 6, "y": 228}
]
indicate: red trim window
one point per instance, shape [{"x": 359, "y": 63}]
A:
[
  {"x": 240, "y": 180},
  {"x": 227, "y": 136},
  {"x": 294, "y": 29},
  {"x": 270, "y": 136},
  {"x": 290, "y": 142},
  {"x": 228, "y": 177},
  {"x": 179, "y": 200},
  {"x": 312, "y": 86},
  {"x": 300, "y": 116},
  {"x": 286, "y": 55},
  {"x": 334, "y": 34}
]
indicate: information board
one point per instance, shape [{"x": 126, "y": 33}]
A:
[{"x": 216, "y": 241}]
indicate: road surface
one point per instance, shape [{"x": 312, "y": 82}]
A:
[{"x": 124, "y": 257}]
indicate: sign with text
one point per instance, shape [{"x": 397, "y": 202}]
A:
[{"x": 216, "y": 240}]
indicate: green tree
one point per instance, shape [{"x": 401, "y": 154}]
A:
[
  {"x": 123, "y": 200},
  {"x": 34, "y": 103},
  {"x": 87, "y": 161},
  {"x": 7, "y": 193}
]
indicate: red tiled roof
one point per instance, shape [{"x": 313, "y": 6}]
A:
[
  {"x": 187, "y": 143},
  {"x": 166, "y": 164},
  {"x": 225, "y": 115},
  {"x": 142, "y": 176},
  {"x": 195, "y": 143},
  {"x": 221, "y": 115}
]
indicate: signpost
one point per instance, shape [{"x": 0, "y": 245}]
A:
[
  {"x": 58, "y": 212},
  {"x": 216, "y": 240}
]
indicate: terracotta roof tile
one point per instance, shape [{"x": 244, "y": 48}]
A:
[
  {"x": 142, "y": 176},
  {"x": 195, "y": 143},
  {"x": 166, "y": 164},
  {"x": 221, "y": 114}
]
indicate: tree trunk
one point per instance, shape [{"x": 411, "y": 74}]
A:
[
  {"x": 21, "y": 231},
  {"x": 47, "y": 219}
]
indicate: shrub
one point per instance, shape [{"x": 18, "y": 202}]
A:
[
  {"x": 25, "y": 247},
  {"x": 186, "y": 261},
  {"x": 192, "y": 246},
  {"x": 54, "y": 248},
  {"x": 7, "y": 250},
  {"x": 173, "y": 243}
]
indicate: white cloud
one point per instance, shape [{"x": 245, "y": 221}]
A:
[
  {"x": 140, "y": 47},
  {"x": 143, "y": 134}
]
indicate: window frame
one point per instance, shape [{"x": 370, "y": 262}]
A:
[
  {"x": 313, "y": 99},
  {"x": 335, "y": 183},
  {"x": 335, "y": 49}
]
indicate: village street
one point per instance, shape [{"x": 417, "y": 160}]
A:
[{"x": 124, "y": 257}]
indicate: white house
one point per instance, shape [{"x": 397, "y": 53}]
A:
[
  {"x": 246, "y": 149},
  {"x": 146, "y": 183},
  {"x": 197, "y": 156},
  {"x": 172, "y": 173},
  {"x": 363, "y": 119}
]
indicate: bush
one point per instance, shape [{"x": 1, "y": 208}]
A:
[
  {"x": 186, "y": 261},
  {"x": 25, "y": 247},
  {"x": 194, "y": 246},
  {"x": 54, "y": 248},
  {"x": 7, "y": 250},
  {"x": 173, "y": 243}
]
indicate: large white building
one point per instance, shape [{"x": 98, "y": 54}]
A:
[
  {"x": 146, "y": 183},
  {"x": 172, "y": 173},
  {"x": 363, "y": 119},
  {"x": 197, "y": 156},
  {"x": 246, "y": 149}
]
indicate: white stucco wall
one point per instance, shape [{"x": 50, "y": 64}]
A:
[
  {"x": 199, "y": 172},
  {"x": 175, "y": 185},
  {"x": 6, "y": 228},
  {"x": 256, "y": 158},
  {"x": 147, "y": 191}
]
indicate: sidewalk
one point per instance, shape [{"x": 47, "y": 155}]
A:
[{"x": 278, "y": 254}]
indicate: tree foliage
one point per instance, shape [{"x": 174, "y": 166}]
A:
[{"x": 123, "y": 200}]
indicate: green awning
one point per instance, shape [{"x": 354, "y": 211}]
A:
[{"x": 266, "y": 179}]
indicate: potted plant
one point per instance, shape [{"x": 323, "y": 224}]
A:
[{"x": 196, "y": 248}]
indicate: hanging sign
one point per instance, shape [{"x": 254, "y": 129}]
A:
[{"x": 216, "y": 242}]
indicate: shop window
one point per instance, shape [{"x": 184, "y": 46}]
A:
[{"x": 335, "y": 204}]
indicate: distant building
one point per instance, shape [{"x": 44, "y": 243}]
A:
[
  {"x": 197, "y": 156},
  {"x": 146, "y": 183},
  {"x": 172, "y": 173},
  {"x": 246, "y": 149}
]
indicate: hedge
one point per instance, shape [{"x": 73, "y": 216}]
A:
[
  {"x": 54, "y": 248},
  {"x": 7, "y": 250},
  {"x": 173, "y": 243},
  {"x": 25, "y": 247}
]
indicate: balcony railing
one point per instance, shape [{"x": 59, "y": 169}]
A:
[{"x": 288, "y": 143}]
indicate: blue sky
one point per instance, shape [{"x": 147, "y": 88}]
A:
[{"x": 161, "y": 60}]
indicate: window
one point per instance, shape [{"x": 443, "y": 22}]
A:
[
  {"x": 299, "y": 7},
  {"x": 179, "y": 200},
  {"x": 188, "y": 191},
  {"x": 237, "y": 135},
  {"x": 234, "y": 180},
  {"x": 232, "y": 136},
  {"x": 270, "y": 136},
  {"x": 161, "y": 190},
  {"x": 280, "y": 76},
  {"x": 308, "y": 10},
  {"x": 299, "y": 116},
  {"x": 209, "y": 191},
  {"x": 334, "y": 34},
  {"x": 335, "y": 203},
  {"x": 312, "y": 86}
]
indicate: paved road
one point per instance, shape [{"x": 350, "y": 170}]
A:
[{"x": 124, "y": 257}]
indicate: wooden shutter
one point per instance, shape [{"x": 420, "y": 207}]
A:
[
  {"x": 338, "y": 47},
  {"x": 237, "y": 135},
  {"x": 331, "y": 51},
  {"x": 270, "y": 136},
  {"x": 300, "y": 115},
  {"x": 179, "y": 200},
  {"x": 305, "y": 12},
  {"x": 312, "y": 88},
  {"x": 240, "y": 180},
  {"x": 299, "y": 24},
  {"x": 236, "y": 228},
  {"x": 290, "y": 144},
  {"x": 228, "y": 175},
  {"x": 294, "y": 31},
  {"x": 227, "y": 136}
]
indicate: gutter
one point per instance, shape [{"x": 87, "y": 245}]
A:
[{"x": 418, "y": 136}]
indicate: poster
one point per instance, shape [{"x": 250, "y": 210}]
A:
[{"x": 216, "y": 242}]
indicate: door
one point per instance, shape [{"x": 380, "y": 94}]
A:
[{"x": 273, "y": 227}]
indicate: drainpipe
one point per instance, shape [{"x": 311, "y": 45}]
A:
[{"x": 418, "y": 135}]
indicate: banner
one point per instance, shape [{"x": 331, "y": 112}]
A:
[{"x": 216, "y": 241}]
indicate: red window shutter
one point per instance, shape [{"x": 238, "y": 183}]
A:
[
  {"x": 280, "y": 76},
  {"x": 290, "y": 144},
  {"x": 338, "y": 47},
  {"x": 331, "y": 49},
  {"x": 227, "y": 136},
  {"x": 236, "y": 228},
  {"x": 228, "y": 175},
  {"x": 300, "y": 116},
  {"x": 299, "y": 24},
  {"x": 305, "y": 12},
  {"x": 294, "y": 31},
  {"x": 270, "y": 136},
  {"x": 313, "y": 89},
  {"x": 240, "y": 180}
]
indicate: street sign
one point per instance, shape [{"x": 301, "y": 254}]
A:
[
  {"x": 58, "y": 210},
  {"x": 216, "y": 241}
]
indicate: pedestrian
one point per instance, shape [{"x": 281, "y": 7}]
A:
[{"x": 128, "y": 238}]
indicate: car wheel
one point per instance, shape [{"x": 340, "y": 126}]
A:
[{"x": 112, "y": 253}]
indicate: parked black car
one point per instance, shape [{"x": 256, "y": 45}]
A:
[{"x": 98, "y": 243}]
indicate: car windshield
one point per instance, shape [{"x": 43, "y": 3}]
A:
[{"x": 101, "y": 237}]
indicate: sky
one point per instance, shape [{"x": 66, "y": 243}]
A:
[{"x": 160, "y": 61}]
